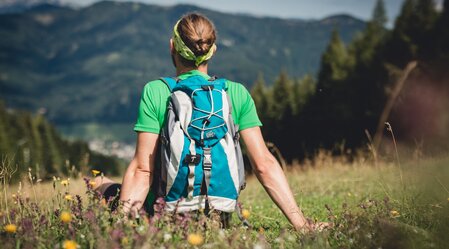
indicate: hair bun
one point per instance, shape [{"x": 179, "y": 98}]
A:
[{"x": 202, "y": 46}]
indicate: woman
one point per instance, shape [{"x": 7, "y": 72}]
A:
[{"x": 191, "y": 47}]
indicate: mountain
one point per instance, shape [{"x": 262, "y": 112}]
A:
[
  {"x": 90, "y": 64},
  {"x": 17, "y": 6}
]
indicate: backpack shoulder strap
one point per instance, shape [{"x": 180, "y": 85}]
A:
[
  {"x": 170, "y": 82},
  {"x": 220, "y": 81}
]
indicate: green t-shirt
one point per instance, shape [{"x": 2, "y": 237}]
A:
[{"x": 155, "y": 97}]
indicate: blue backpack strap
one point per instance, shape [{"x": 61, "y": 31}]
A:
[{"x": 170, "y": 82}]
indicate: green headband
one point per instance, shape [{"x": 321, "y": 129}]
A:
[{"x": 185, "y": 51}]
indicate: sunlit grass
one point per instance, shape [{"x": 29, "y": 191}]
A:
[{"x": 369, "y": 207}]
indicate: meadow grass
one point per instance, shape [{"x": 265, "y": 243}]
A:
[{"x": 369, "y": 206}]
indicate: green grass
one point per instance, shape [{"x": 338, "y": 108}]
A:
[
  {"x": 370, "y": 207},
  {"x": 421, "y": 199}
]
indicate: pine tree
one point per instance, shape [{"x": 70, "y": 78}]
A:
[
  {"x": 260, "y": 96},
  {"x": 413, "y": 35},
  {"x": 423, "y": 28},
  {"x": 405, "y": 16},
  {"x": 37, "y": 147},
  {"x": 4, "y": 138},
  {"x": 334, "y": 62},
  {"x": 442, "y": 34},
  {"x": 379, "y": 17},
  {"x": 22, "y": 122},
  {"x": 303, "y": 90},
  {"x": 426, "y": 14},
  {"x": 282, "y": 95},
  {"x": 401, "y": 48},
  {"x": 331, "y": 107}
]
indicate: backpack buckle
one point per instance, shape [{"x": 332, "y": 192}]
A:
[
  {"x": 207, "y": 161},
  {"x": 236, "y": 137},
  {"x": 192, "y": 159},
  {"x": 164, "y": 140},
  {"x": 213, "y": 78},
  {"x": 207, "y": 87}
]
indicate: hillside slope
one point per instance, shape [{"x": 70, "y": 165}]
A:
[
  {"x": 31, "y": 142},
  {"x": 90, "y": 64}
]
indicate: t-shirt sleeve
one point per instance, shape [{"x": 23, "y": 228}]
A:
[
  {"x": 148, "y": 116},
  {"x": 246, "y": 109}
]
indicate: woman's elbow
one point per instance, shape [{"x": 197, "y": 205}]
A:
[{"x": 264, "y": 165}]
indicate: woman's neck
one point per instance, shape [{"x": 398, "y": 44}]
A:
[{"x": 180, "y": 70}]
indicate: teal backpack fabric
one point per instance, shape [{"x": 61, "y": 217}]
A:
[{"x": 201, "y": 160}]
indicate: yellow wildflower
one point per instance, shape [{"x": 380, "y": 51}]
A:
[
  {"x": 69, "y": 244},
  {"x": 146, "y": 219},
  {"x": 68, "y": 197},
  {"x": 394, "y": 213},
  {"x": 103, "y": 202},
  {"x": 65, "y": 182},
  {"x": 92, "y": 183},
  {"x": 125, "y": 241},
  {"x": 95, "y": 172},
  {"x": 195, "y": 239},
  {"x": 10, "y": 228},
  {"x": 245, "y": 213},
  {"x": 65, "y": 217}
]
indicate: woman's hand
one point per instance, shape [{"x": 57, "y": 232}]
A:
[{"x": 311, "y": 227}]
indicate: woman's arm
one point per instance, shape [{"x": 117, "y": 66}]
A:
[
  {"x": 270, "y": 174},
  {"x": 139, "y": 175}
]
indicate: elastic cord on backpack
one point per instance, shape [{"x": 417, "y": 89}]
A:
[{"x": 210, "y": 114}]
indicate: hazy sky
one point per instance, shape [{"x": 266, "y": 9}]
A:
[
  {"x": 304, "y": 9},
  {"x": 284, "y": 8}
]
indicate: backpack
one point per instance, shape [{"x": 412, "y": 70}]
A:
[{"x": 201, "y": 160}]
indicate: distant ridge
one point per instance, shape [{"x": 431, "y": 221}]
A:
[
  {"x": 90, "y": 64},
  {"x": 18, "y": 6}
]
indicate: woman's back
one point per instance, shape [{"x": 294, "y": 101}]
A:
[{"x": 155, "y": 98}]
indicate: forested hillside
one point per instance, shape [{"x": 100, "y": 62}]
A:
[
  {"x": 28, "y": 141},
  {"x": 90, "y": 64},
  {"x": 400, "y": 76}
]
